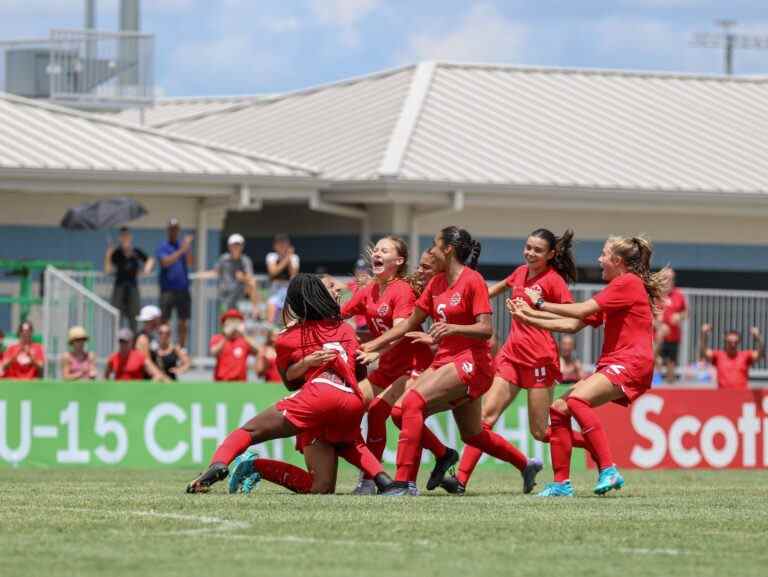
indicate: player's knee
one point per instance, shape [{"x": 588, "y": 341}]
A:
[
  {"x": 540, "y": 433},
  {"x": 322, "y": 487},
  {"x": 561, "y": 406}
]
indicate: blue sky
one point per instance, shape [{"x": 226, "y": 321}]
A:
[{"x": 207, "y": 47}]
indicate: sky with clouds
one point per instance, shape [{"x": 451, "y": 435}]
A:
[{"x": 207, "y": 47}]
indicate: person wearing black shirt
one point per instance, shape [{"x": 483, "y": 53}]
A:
[{"x": 127, "y": 262}]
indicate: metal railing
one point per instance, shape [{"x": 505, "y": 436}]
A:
[{"x": 67, "y": 303}]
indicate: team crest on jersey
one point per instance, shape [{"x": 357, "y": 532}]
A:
[
  {"x": 467, "y": 367},
  {"x": 536, "y": 288},
  {"x": 383, "y": 310},
  {"x": 455, "y": 299}
]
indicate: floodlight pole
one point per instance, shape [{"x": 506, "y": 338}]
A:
[{"x": 729, "y": 42}]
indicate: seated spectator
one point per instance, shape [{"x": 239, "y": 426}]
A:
[
  {"x": 266, "y": 362},
  {"x": 732, "y": 364},
  {"x": 234, "y": 271},
  {"x": 128, "y": 364},
  {"x": 170, "y": 358},
  {"x": 146, "y": 343},
  {"x": 25, "y": 360},
  {"x": 78, "y": 364},
  {"x": 231, "y": 348},
  {"x": 570, "y": 366},
  {"x": 282, "y": 265}
]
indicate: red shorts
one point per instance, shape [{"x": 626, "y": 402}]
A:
[
  {"x": 633, "y": 378},
  {"x": 324, "y": 410},
  {"x": 390, "y": 369},
  {"x": 475, "y": 368},
  {"x": 526, "y": 377},
  {"x": 423, "y": 355}
]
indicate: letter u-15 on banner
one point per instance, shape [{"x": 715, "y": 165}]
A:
[{"x": 703, "y": 429}]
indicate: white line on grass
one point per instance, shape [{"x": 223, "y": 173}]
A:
[{"x": 639, "y": 551}]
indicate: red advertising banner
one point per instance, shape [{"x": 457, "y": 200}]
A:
[{"x": 704, "y": 429}]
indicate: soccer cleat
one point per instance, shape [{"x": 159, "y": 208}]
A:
[
  {"x": 532, "y": 469},
  {"x": 442, "y": 465},
  {"x": 609, "y": 479},
  {"x": 563, "y": 489},
  {"x": 452, "y": 485},
  {"x": 213, "y": 474},
  {"x": 413, "y": 490},
  {"x": 243, "y": 478},
  {"x": 365, "y": 487},
  {"x": 397, "y": 489}
]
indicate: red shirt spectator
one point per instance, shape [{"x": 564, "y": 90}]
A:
[
  {"x": 731, "y": 363},
  {"x": 24, "y": 360},
  {"x": 231, "y": 349},
  {"x": 128, "y": 367},
  {"x": 675, "y": 304}
]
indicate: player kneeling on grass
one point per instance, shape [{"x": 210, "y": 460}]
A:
[
  {"x": 315, "y": 357},
  {"x": 625, "y": 368}
]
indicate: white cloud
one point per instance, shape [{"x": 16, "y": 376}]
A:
[
  {"x": 343, "y": 13},
  {"x": 280, "y": 25},
  {"x": 482, "y": 35}
]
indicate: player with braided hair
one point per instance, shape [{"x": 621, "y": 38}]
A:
[
  {"x": 461, "y": 372},
  {"x": 625, "y": 368},
  {"x": 316, "y": 358}
]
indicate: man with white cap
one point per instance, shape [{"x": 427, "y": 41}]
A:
[
  {"x": 234, "y": 271},
  {"x": 150, "y": 318}
]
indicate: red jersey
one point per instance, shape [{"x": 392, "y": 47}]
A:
[
  {"x": 674, "y": 303},
  {"x": 459, "y": 304},
  {"x": 527, "y": 345},
  {"x": 381, "y": 308},
  {"x": 22, "y": 367},
  {"x": 626, "y": 312},
  {"x": 303, "y": 339},
  {"x": 732, "y": 372},
  {"x": 232, "y": 360},
  {"x": 360, "y": 321},
  {"x": 270, "y": 372},
  {"x": 130, "y": 368}
]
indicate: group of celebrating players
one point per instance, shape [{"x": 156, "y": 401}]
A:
[{"x": 448, "y": 367}]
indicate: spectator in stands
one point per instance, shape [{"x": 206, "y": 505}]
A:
[
  {"x": 175, "y": 258},
  {"x": 169, "y": 357},
  {"x": 231, "y": 348},
  {"x": 78, "y": 364},
  {"x": 266, "y": 361},
  {"x": 570, "y": 366},
  {"x": 128, "y": 364},
  {"x": 234, "y": 271},
  {"x": 282, "y": 265},
  {"x": 731, "y": 363},
  {"x": 147, "y": 344},
  {"x": 673, "y": 313},
  {"x": 25, "y": 360},
  {"x": 127, "y": 262}
]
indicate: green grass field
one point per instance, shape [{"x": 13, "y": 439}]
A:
[{"x": 87, "y": 522}]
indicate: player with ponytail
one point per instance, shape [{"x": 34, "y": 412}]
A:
[
  {"x": 529, "y": 358},
  {"x": 461, "y": 372},
  {"x": 316, "y": 358},
  {"x": 625, "y": 368}
]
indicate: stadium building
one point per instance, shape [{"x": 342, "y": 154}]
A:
[{"x": 497, "y": 149}]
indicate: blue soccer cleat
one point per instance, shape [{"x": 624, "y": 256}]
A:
[
  {"x": 563, "y": 489},
  {"x": 609, "y": 479},
  {"x": 243, "y": 478}
]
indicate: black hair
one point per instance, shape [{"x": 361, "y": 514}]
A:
[
  {"x": 124, "y": 230},
  {"x": 733, "y": 332},
  {"x": 563, "y": 261},
  {"x": 467, "y": 250},
  {"x": 309, "y": 300},
  {"x": 281, "y": 237}
]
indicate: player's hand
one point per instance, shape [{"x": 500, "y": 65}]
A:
[
  {"x": 517, "y": 310},
  {"x": 755, "y": 332},
  {"x": 706, "y": 328},
  {"x": 441, "y": 330},
  {"x": 420, "y": 337},
  {"x": 366, "y": 359},
  {"x": 320, "y": 358}
]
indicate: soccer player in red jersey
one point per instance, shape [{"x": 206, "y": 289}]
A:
[
  {"x": 387, "y": 300},
  {"x": 529, "y": 358},
  {"x": 625, "y": 368},
  {"x": 732, "y": 364},
  {"x": 462, "y": 370},
  {"x": 315, "y": 357},
  {"x": 674, "y": 308}
]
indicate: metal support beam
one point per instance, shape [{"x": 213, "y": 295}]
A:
[
  {"x": 456, "y": 205},
  {"x": 201, "y": 263}
]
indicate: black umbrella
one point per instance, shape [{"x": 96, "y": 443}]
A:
[{"x": 102, "y": 214}]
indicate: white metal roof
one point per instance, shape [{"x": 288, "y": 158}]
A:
[
  {"x": 507, "y": 125},
  {"x": 171, "y": 109},
  {"x": 36, "y": 137}
]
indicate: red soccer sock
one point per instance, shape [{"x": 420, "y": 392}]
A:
[
  {"x": 577, "y": 439},
  {"x": 469, "y": 459},
  {"x": 560, "y": 444},
  {"x": 284, "y": 474},
  {"x": 235, "y": 443},
  {"x": 409, "y": 444},
  {"x": 361, "y": 457},
  {"x": 378, "y": 412},
  {"x": 497, "y": 446},
  {"x": 429, "y": 440},
  {"x": 592, "y": 429}
]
